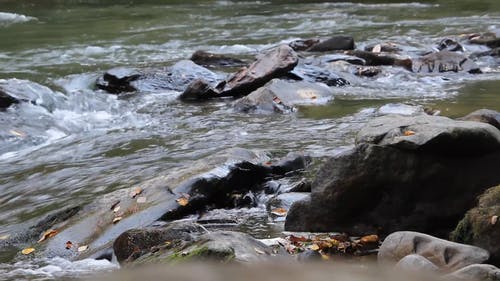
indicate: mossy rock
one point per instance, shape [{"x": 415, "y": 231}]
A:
[{"x": 479, "y": 227}]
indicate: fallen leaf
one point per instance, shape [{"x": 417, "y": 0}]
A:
[
  {"x": 116, "y": 209},
  {"x": 280, "y": 212},
  {"x": 141, "y": 200},
  {"x": 369, "y": 239},
  {"x": 48, "y": 234},
  {"x": 69, "y": 244},
  {"x": 268, "y": 163},
  {"x": 314, "y": 247},
  {"x": 135, "y": 192},
  {"x": 494, "y": 220},
  {"x": 168, "y": 243},
  {"x": 259, "y": 251},
  {"x": 4, "y": 237},
  {"x": 183, "y": 201},
  {"x": 296, "y": 239},
  {"x": 409, "y": 133},
  {"x": 377, "y": 48},
  {"x": 28, "y": 251},
  {"x": 83, "y": 248},
  {"x": 117, "y": 219}
]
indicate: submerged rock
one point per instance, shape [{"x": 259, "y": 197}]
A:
[
  {"x": 273, "y": 64},
  {"x": 450, "y": 45},
  {"x": 16, "y": 90},
  {"x": 375, "y": 59},
  {"x": 334, "y": 43},
  {"x": 282, "y": 97},
  {"x": 303, "y": 44},
  {"x": 489, "y": 116},
  {"x": 445, "y": 61},
  {"x": 399, "y": 176},
  {"x": 447, "y": 256},
  {"x": 208, "y": 59},
  {"x": 176, "y": 77},
  {"x": 481, "y": 226}
]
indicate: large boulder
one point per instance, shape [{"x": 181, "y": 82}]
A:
[
  {"x": 282, "y": 96},
  {"x": 480, "y": 226},
  {"x": 176, "y": 77},
  {"x": 274, "y": 64},
  {"x": 418, "y": 173},
  {"x": 489, "y": 116},
  {"x": 447, "y": 256}
]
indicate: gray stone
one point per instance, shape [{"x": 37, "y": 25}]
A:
[
  {"x": 334, "y": 43},
  {"x": 475, "y": 272},
  {"x": 416, "y": 263},
  {"x": 445, "y": 61},
  {"x": 282, "y": 96},
  {"x": 489, "y": 116},
  {"x": 446, "y": 255}
]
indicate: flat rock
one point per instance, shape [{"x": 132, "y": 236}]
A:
[
  {"x": 489, "y": 116},
  {"x": 282, "y": 96},
  {"x": 447, "y": 256},
  {"x": 416, "y": 263}
]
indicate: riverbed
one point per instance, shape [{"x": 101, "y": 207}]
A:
[{"x": 91, "y": 143}]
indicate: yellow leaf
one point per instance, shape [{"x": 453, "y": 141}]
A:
[
  {"x": 409, "y": 133},
  {"x": 494, "y": 220},
  {"x": 48, "y": 234},
  {"x": 183, "y": 201},
  {"x": 28, "y": 251},
  {"x": 314, "y": 247},
  {"x": 83, "y": 248},
  {"x": 369, "y": 239},
  {"x": 279, "y": 212},
  {"x": 135, "y": 192},
  {"x": 324, "y": 257},
  {"x": 117, "y": 219}
]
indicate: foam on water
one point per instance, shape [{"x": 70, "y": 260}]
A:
[{"x": 11, "y": 18}]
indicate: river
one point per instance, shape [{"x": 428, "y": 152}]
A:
[{"x": 91, "y": 143}]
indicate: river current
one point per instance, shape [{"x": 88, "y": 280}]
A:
[{"x": 84, "y": 143}]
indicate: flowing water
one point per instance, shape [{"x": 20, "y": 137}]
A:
[{"x": 84, "y": 143}]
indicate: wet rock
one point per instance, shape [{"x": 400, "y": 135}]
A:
[
  {"x": 136, "y": 242},
  {"x": 303, "y": 44},
  {"x": 417, "y": 263},
  {"x": 175, "y": 77},
  {"x": 368, "y": 71},
  {"x": 218, "y": 246},
  {"x": 386, "y": 47},
  {"x": 450, "y": 45},
  {"x": 342, "y": 57},
  {"x": 317, "y": 72},
  {"x": 6, "y": 100},
  {"x": 447, "y": 256},
  {"x": 335, "y": 43},
  {"x": 488, "y": 39},
  {"x": 475, "y": 272},
  {"x": 374, "y": 59},
  {"x": 273, "y": 64},
  {"x": 208, "y": 59},
  {"x": 400, "y": 174},
  {"x": 489, "y": 116},
  {"x": 480, "y": 226},
  {"x": 492, "y": 53},
  {"x": 445, "y": 61},
  {"x": 304, "y": 185},
  {"x": 282, "y": 97},
  {"x": 17, "y": 90}
]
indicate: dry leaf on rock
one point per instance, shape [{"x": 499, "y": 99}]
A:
[
  {"x": 48, "y": 234},
  {"x": 68, "y": 245},
  {"x": 369, "y": 239},
  {"x": 280, "y": 212},
  {"x": 409, "y": 133},
  {"x": 183, "y": 201},
  {"x": 135, "y": 192},
  {"x": 28, "y": 251}
]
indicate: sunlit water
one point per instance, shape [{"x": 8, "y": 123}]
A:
[{"x": 86, "y": 143}]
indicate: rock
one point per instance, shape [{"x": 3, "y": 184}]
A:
[
  {"x": 207, "y": 59},
  {"x": 309, "y": 256},
  {"x": 218, "y": 246},
  {"x": 317, "y": 72},
  {"x": 475, "y": 272},
  {"x": 175, "y": 77},
  {"x": 434, "y": 134},
  {"x": 386, "y": 47},
  {"x": 450, "y": 45},
  {"x": 285, "y": 200},
  {"x": 333, "y": 44},
  {"x": 342, "y": 57},
  {"x": 282, "y": 97},
  {"x": 302, "y": 45},
  {"x": 374, "y": 59},
  {"x": 6, "y": 100},
  {"x": 367, "y": 71},
  {"x": 273, "y": 64},
  {"x": 417, "y": 263},
  {"x": 400, "y": 175},
  {"x": 447, "y": 256},
  {"x": 484, "y": 115},
  {"x": 445, "y": 61},
  {"x": 488, "y": 39},
  {"x": 17, "y": 90},
  {"x": 136, "y": 242},
  {"x": 304, "y": 185},
  {"x": 480, "y": 226},
  {"x": 492, "y": 53}
]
